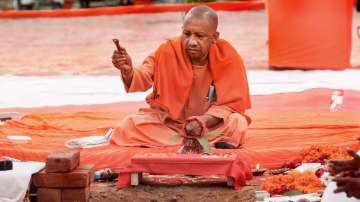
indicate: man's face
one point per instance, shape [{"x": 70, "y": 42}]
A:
[{"x": 197, "y": 36}]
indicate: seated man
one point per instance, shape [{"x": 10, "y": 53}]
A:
[{"x": 199, "y": 84}]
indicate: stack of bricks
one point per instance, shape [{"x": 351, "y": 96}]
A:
[{"x": 63, "y": 179}]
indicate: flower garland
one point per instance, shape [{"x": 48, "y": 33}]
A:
[
  {"x": 305, "y": 182},
  {"x": 321, "y": 153}
]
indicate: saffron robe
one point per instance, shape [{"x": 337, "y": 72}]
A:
[{"x": 180, "y": 90}]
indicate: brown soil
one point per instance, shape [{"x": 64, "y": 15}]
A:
[{"x": 108, "y": 192}]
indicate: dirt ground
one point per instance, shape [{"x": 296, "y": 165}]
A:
[
  {"x": 108, "y": 192},
  {"x": 83, "y": 45},
  {"x": 184, "y": 188}
]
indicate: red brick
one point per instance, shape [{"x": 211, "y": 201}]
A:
[
  {"x": 47, "y": 195},
  {"x": 79, "y": 178},
  {"x": 75, "y": 195},
  {"x": 62, "y": 161},
  {"x": 91, "y": 169}
]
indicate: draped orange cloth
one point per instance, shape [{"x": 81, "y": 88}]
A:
[
  {"x": 180, "y": 90},
  {"x": 297, "y": 120},
  {"x": 173, "y": 76}
]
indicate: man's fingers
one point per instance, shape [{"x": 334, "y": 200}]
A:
[
  {"x": 356, "y": 173},
  {"x": 341, "y": 180},
  {"x": 120, "y": 64},
  {"x": 121, "y": 49},
  {"x": 346, "y": 173},
  {"x": 188, "y": 128},
  {"x": 337, "y": 169},
  {"x": 116, "y": 60},
  {"x": 120, "y": 59},
  {"x": 118, "y": 55},
  {"x": 340, "y": 189},
  {"x": 348, "y": 194},
  {"x": 121, "y": 52},
  {"x": 338, "y": 162},
  {"x": 193, "y": 128},
  {"x": 353, "y": 154}
]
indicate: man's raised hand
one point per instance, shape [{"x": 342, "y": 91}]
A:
[{"x": 121, "y": 60}]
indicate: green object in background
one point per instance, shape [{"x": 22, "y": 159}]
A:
[
  {"x": 41, "y": 4},
  {"x": 293, "y": 193}
]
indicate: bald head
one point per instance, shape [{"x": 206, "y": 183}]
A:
[
  {"x": 199, "y": 32},
  {"x": 203, "y": 13}
]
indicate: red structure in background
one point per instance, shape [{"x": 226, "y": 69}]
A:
[
  {"x": 153, "y": 8},
  {"x": 308, "y": 34}
]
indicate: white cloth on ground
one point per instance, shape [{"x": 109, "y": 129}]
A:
[
  {"x": 330, "y": 196},
  {"x": 91, "y": 141},
  {"x": 14, "y": 183}
]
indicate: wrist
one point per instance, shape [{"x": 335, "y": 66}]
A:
[{"x": 127, "y": 73}]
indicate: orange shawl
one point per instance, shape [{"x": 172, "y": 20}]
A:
[{"x": 173, "y": 77}]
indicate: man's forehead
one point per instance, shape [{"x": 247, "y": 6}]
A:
[{"x": 199, "y": 23}]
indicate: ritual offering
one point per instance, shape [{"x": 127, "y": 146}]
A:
[
  {"x": 278, "y": 171},
  {"x": 258, "y": 171},
  {"x": 191, "y": 146},
  {"x": 195, "y": 144}
]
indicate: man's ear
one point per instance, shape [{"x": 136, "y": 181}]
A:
[{"x": 216, "y": 36}]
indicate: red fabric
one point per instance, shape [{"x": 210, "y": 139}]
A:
[
  {"x": 308, "y": 34},
  {"x": 233, "y": 167},
  {"x": 228, "y": 6},
  {"x": 227, "y": 71}
]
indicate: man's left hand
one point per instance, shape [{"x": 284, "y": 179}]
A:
[
  {"x": 339, "y": 166},
  {"x": 193, "y": 128}
]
